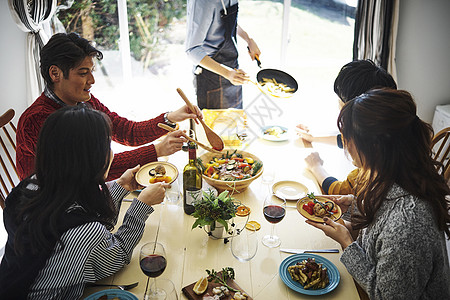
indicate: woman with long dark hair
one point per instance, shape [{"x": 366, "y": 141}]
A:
[
  {"x": 59, "y": 219},
  {"x": 400, "y": 209}
]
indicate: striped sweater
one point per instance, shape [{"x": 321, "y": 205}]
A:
[{"x": 91, "y": 252}]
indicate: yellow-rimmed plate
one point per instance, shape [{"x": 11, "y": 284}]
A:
[
  {"x": 143, "y": 177},
  {"x": 289, "y": 190},
  {"x": 335, "y": 216}
]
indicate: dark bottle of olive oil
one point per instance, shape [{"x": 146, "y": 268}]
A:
[{"x": 192, "y": 180}]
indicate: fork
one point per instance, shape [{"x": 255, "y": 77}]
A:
[{"x": 123, "y": 287}]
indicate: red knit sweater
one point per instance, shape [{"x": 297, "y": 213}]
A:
[{"x": 125, "y": 132}]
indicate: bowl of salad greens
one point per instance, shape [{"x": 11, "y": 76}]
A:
[{"x": 233, "y": 170}]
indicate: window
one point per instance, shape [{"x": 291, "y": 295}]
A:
[{"x": 317, "y": 43}]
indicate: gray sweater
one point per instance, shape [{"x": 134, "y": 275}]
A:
[{"x": 402, "y": 254}]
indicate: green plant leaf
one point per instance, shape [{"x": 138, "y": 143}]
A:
[
  {"x": 196, "y": 223},
  {"x": 224, "y": 223},
  {"x": 223, "y": 195}
]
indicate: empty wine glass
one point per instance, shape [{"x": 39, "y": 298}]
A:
[
  {"x": 274, "y": 211},
  {"x": 268, "y": 177},
  {"x": 168, "y": 286},
  {"x": 244, "y": 243},
  {"x": 152, "y": 261}
]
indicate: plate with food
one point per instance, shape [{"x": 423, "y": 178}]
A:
[
  {"x": 233, "y": 171},
  {"x": 274, "y": 133},
  {"x": 157, "y": 171},
  {"x": 217, "y": 285},
  {"x": 309, "y": 274},
  {"x": 289, "y": 190},
  {"x": 315, "y": 208},
  {"x": 112, "y": 294}
]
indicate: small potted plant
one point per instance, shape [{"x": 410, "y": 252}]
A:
[{"x": 214, "y": 212}]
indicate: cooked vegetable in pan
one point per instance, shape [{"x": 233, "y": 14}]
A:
[{"x": 276, "y": 88}]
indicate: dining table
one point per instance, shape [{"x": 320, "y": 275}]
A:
[{"x": 190, "y": 252}]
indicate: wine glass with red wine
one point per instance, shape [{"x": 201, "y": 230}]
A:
[
  {"x": 274, "y": 211},
  {"x": 152, "y": 261}
]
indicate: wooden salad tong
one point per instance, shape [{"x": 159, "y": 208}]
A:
[
  {"x": 213, "y": 138},
  {"x": 168, "y": 128}
]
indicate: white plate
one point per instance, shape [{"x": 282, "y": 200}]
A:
[
  {"x": 281, "y": 137},
  {"x": 290, "y": 190}
]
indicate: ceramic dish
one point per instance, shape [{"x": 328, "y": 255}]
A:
[
  {"x": 112, "y": 294},
  {"x": 336, "y": 216},
  {"x": 333, "y": 273},
  {"x": 237, "y": 185},
  {"x": 274, "y": 138},
  {"x": 142, "y": 176},
  {"x": 289, "y": 190}
]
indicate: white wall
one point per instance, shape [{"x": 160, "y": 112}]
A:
[
  {"x": 423, "y": 48},
  {"x": 12, "y": 78},
  {"x": 12, "y": 64}
]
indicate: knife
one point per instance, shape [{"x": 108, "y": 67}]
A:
[{"x": 310, "y": 251}]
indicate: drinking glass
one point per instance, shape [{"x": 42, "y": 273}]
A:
[
  {"x": 152, "y": 260},
  {"x": 168, "y": 286},
  {"x": 173, "y": 194},
  {"x": 274, "y": 211},
  {"x": 268, "y": 177},
  {"x": 244, "y": 242}
]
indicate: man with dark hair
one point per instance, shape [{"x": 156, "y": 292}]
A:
[
  {"x": 67, "y": 63},
  {"x": 354, "y": 79}
]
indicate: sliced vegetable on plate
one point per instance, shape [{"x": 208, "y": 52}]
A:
[
  {"x": 274, "y": 133},
  {"x": 320, "y": 275},
  {"x": 157, "y": 171},
  {"x": 315, "y": 208}
]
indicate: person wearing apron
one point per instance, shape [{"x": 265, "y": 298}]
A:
[{"x": 211, "y": 44}]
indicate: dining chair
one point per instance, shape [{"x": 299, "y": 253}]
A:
[
  {"x": 8, "y": 174},
  {"x": 440, "y": 146}
]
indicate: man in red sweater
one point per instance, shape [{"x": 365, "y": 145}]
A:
[{"x": 67, "y": 63}]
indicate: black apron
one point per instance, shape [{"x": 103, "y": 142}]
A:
[{"x": 213, "y": 90}]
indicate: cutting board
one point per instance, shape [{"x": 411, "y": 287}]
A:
[{"x": 189, "y": 293}]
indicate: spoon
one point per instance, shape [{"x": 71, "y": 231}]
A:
[{"x": 213, "y": 138}]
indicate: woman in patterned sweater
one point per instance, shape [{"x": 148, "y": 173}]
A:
[
  {"x": 401, "y": 209},
  {"x": 59, "y": 220}
]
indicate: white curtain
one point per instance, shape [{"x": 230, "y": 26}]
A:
[
  {"x": 376, "y": 32},
  {"x": 30, "y": 15}
]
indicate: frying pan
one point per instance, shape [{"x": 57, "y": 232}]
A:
[{"x": 279, "y": 76}]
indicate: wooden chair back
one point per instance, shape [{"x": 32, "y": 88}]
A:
[
  {"x": 8, "y": 173},
  {"x": 441, "y": 149}
]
